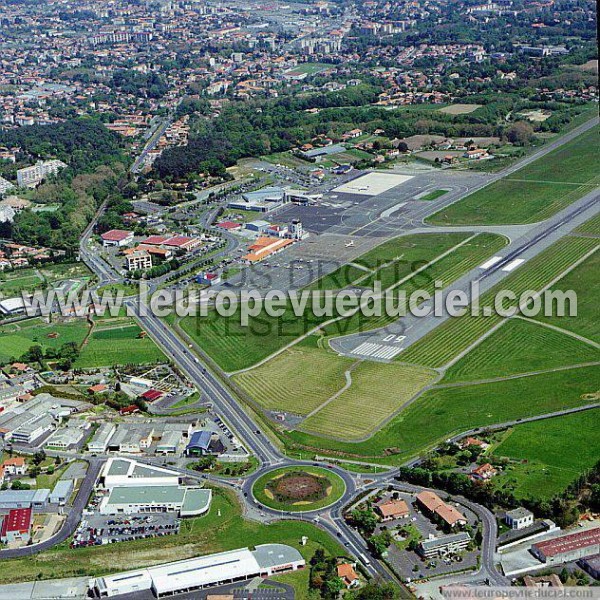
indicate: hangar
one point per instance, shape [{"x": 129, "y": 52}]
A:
[{"x": 203, "y": 572}]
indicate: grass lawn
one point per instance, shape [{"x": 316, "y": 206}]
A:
[
  {"x": 335, "y": 489},
  {"x": 354, "y": 414},
  {"x": 591, "y": 227},
  {"x": 519, "y": 347},
  {"x": 549, "y": 454},
  {"x": 223, "y": 528},
  {"x": 583, "y": 280},
  {"x": 118, "y": 345},
  {"x": 446, "y": 341},
  {"x": 441, "y": 412},
  {"x": 17, "y": 338},
  {"x": 298, "y": 380},
  {"x": 12, "y": 283},
  {"x": 534, "y": 192},
  {"x": 433, "y": 195}
]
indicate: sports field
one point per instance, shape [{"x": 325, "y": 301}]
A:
[
  {"x": 520, "y": 346},
  {"x": 534, "y": 192},
  {"x": 546, "y": 456},
  {"x": 17, "y": 338},
  {"x": 455, "y": 335},
  {"x": 377, "y": 391},
  {"x": 443, "y": 412},
  {"x": 118, "y": 344}
]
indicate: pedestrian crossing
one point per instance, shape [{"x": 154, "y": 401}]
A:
[{"x": 373, "y": 350}]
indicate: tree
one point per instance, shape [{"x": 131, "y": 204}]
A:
[
  {"x": 365, "y": 520},
  {"x": 520, "y": 133}
]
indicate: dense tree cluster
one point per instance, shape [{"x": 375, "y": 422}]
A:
[{"x": 142, "y": 85}]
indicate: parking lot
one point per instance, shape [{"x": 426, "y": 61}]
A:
[{"x": 98, "y": 530}]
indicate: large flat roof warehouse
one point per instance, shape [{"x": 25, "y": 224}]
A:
[
  {"x": 372, "y": 184},
  {"x": 203, "y": 572}
]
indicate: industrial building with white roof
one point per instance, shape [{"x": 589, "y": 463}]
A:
[{"x": 203, "y": 572}]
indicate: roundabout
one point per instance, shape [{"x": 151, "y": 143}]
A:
[{"x": 298, "y": 488}]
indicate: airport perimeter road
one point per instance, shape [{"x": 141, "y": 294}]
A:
[
  {"x": 387, "y": 343},
  {"x": 73, "y": 515}
]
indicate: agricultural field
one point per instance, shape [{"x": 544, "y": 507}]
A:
[
  {"x": 546, "y": 456},
  {"x": 222, "y": 528},
  {"x": 357, "y": 412},
  {"x": 444, "y": 411},
  {"x": 118, "y": 343},
  {"x": 17, "y": 338},
  {"x": 583, "y": 280},
  {"x": 520, "y": 346},
  {"x": 534, "y": 192},
  {"x": 455, "y": 335},
  {"x": 298, "y": 381}
]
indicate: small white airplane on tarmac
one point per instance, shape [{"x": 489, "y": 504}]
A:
[{"x": 350, "y": 244}]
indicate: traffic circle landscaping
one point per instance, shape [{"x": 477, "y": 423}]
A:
[{"x": 298, "y": 488}]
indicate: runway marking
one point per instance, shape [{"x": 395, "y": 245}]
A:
[
  {"x": 513, "y": 264},
  {"x": 376, "y": 350},
  {"x": 491, "y": 262}
]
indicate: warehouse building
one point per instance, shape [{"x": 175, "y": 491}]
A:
[
  {"x": 10, "y": 499},
  {"x": 62, "y": 492},
  {"x": 186, "y": 501},
  {"x": 447, "y": 544},
  {"x": 130, "y": 473},
  {"x": 203, "y": 572},
  {"x": 16, "y": 526},
  {"x": 568, "y": 547},
  {"x": 99, "y": 441}
]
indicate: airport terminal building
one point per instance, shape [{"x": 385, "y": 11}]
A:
[{"x": 203, "y": 572}]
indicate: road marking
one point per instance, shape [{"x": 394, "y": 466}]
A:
[
  {"x": 512, "y": 265},
  {"x": 491, "y": 262},
  {"x": 376, "y": 350}
]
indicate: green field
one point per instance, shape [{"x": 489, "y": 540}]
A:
[
  {"x": 223, "y": 528},
  {"x": 455, "y": 335},
  {"x": 534, "y": 192},
  {"x": 584, "y": 281},
  {"x": 235, "y": 347},
  {"x": 433, "y": 195},
  {"x": 355, "y": 413},
  {"x": 442, "y": 412},
  {"x": 17, "y": 338},
  {"x": 118, "y": 345},
  {"x": 591, "y": 227},
  {"x": 546, "y": 456},
  {"x": 336, "y": 489},
  {"x": 298, "y": 380},
  {"x": 520, "y": 346}
]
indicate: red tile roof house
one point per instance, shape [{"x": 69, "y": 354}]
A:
[
  {"x": 434, "y": 505},
  {"x": 117, "y": 237},
  {"x": 348, "y": 575},
  {"x": 484, "y": 472},
  {"x": 393, "y": 509},
  {"x": 16, "y": 526}
]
